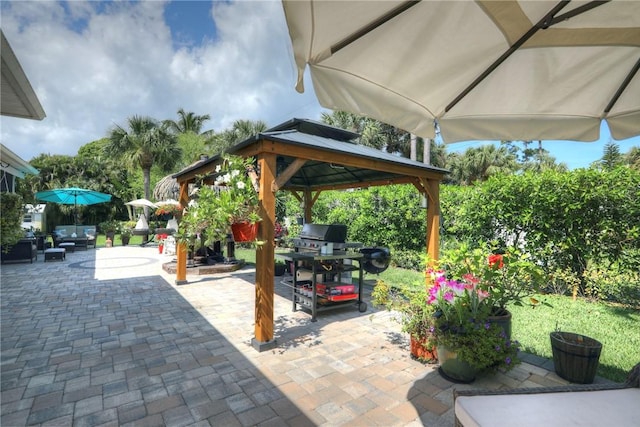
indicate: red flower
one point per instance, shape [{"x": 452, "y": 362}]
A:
[{"x": 496, "y": 260}]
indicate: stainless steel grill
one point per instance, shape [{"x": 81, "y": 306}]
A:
[{"x": 314, "y": 236}]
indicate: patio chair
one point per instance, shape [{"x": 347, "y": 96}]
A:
[{"x": 582, "y": 404}]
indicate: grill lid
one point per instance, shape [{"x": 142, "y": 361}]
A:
[{"x": 327, "y": 232}]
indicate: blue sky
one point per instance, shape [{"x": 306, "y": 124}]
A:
[
  {"x": 574, "y": 154},
  {"x": 93, "y": 64}
]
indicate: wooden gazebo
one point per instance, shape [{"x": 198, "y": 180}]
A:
[{"x": 305, "y": 158}]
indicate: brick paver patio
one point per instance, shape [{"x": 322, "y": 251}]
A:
[{"x": 104, "y": 338}]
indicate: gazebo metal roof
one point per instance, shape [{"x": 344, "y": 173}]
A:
[{"x": 333, "y": 160}]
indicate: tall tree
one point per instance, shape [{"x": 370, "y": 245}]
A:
[
  {"x": 611, "y": 157},
  {"x": 373, "y": 133},
  {"x": 479, "y": 163},
  {"x": 241, "y": 130},
  {"x": 187, "y": 122},
  {"x": 145, "y": 144}
]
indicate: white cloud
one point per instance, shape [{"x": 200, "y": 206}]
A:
[{"x": 94, "y": 64}]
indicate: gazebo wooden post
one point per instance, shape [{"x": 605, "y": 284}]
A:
[
  {"x": 181, "y": 247},
  {"x": 264, "y": 319},
  {"x": 433, "y": 218},
  {"x": 308, "y": 204}
]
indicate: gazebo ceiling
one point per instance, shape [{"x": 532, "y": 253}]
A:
[{"x": 329, "y": 158}]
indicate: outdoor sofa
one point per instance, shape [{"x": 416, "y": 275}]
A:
[
  {"x": 611, "y": 404},
  {"x": 25, "y": 250},
  {"x": 85, "y": 235}
]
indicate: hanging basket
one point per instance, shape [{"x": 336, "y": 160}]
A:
[
  {"x": 575, "y": 357},
  {"x": 244, "y": 231}
]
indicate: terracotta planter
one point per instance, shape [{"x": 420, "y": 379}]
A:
[
  {"x": 244, "y": 231},
  {"x": 419, "y": 350}
]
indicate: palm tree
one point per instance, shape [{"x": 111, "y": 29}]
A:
[
  {"x": 479, "y": 163},
  {"x": 147, "y": 143},
  {"x": 241, "y": 130},
  {"x": 373, "y": 133},
  {"x": 187, "y": 122}
]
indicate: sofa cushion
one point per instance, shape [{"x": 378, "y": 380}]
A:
[{"x": 581, "y": 408}]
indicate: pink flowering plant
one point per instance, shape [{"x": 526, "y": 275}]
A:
[
  {"x": 508, "y": 278},
  {"x": 462, "y": 309}
]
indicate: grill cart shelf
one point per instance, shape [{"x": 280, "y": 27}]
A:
[{"x": 325, "y": 290}]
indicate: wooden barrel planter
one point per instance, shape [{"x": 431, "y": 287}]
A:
[{"x": 575, "y": 356}]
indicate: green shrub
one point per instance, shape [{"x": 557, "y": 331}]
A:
[
  {"x": 11, "y": 219},
  {"x": 411, "y": 260},
  {"x": 611, "y": 283}
]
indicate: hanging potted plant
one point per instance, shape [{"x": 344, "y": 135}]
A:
[
  {"x": 239, "y": 196},
  {"x": 231, "y": 203},
  {"x": 168, "y": 211}
]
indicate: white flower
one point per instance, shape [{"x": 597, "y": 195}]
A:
[
  {"x": 235, "y": 173},
  {"x": 241, "y": 185},
  {"x": 218, "y": 168},
  {"x": 226, "y": 178},
  {"x": 193, "y": 203}
]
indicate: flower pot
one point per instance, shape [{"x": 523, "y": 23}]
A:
[
  {"x": 575, "y": 357},
  {"x": 279, "y": 269},
  {"x": 244, "y": 231},
  {"x": 504, "y": 322},
  {"x": 454, "y": 369},
  {"x": 420, "y": 350},
  {"x": 125, "y": 240}
]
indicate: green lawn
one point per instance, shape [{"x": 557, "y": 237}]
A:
[
  {"x": 101, "y": 240},
  {"x": 616, "y": 327}
]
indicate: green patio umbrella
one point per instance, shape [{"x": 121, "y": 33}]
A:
[{"x": 73, "y": 196}]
